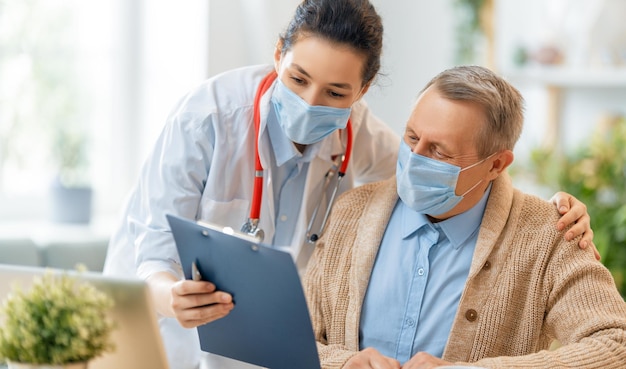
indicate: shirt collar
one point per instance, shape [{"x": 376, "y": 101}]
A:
[
  {"x": 457, "y": 229},
  {"x": 411, "y": 220}
]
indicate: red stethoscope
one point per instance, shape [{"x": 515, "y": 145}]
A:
[{"x": 251, "y": 226}]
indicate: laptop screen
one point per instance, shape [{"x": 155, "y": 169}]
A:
[{"x": 137, "y": 339}]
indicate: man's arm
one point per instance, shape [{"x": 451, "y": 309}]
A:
[
  {"x": 583, "y": 311},
  {"x": 331, "y": 356}
]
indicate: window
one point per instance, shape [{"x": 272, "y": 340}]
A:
[{"x": 89, "y": 85}]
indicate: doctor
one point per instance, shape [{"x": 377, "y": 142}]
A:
[{"x": 311, "y": 120}]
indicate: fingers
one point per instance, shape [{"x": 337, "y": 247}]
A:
[
  {"x": 562, "y": 201},
  {"x": 198, "y": 316},
  {"x": 370, "y": 358},
  {"x": 580, "y": 221},
  {"x": 574, "y": 214},
  {"x": 577, "y": 213},
  {"x": 424, "y": 360},
  {"x": 580, "y": 227},
  {"x": 587, "y": 234},
  {"x": 188, "y": 287},
  {"x": 596, "y": 253},
  {"x": 198, "y": 302}
]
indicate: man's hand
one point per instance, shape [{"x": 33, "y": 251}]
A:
[
  {"x": 370, "y": 358},
  {"x": 196, "y": 303},
  {"x": 574, "y": 212},
  {"x": 423, "y": 360}
]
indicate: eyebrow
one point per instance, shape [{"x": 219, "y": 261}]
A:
[
  {"x": 346, "y": 86},
  {"x": 432, "y": 143}
]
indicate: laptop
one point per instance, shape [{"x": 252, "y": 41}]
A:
[
  {"x": 136, "y": 336},
  {"x": 270, "y": 325}
]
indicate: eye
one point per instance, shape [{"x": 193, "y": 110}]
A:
[
  {"x": 437, "y": 154},
  {"x": 336, "y": 95},
  {"x": 296, "y": 80},
  {"x": 411, "y": 139}
]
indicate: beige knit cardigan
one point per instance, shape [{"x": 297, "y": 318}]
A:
[{"x": 526, "y": 287}]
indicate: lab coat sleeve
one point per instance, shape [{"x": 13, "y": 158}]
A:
[
  {"x": 375, "y": 148},
  {"x": 171, "y": 182}
]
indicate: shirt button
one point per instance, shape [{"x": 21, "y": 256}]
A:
[
  {"x": 420, "y": 271},
  {"x": 471, "y": 315},
  {"x": 410, "y": 322},
  {"x": 283, "y": 218},
  {"x": 487, "y": 265}
]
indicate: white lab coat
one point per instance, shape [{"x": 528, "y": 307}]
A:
[{"x": 202, "y": 167}]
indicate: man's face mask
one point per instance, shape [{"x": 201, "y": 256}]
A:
[{"x": 427, "y": 185}]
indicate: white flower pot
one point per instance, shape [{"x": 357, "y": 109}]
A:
[{"x": 70, "y": 204}]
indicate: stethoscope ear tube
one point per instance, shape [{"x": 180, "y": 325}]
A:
[{"x": 251, "y": 226}]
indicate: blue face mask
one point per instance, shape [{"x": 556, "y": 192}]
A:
[
  {"x": 427, "y": 185},
  {"x": 303, "y": 123}
]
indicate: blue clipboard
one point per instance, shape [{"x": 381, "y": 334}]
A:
[{"x": 270, "y": 325}]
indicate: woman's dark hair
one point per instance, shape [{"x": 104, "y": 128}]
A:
[{"x": 354, "y": 23}]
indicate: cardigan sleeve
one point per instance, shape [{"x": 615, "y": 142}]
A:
[
  {"x": 331, "y": 355},
  {"x": 585, "y": 314},
  {"x": 529, "y": 287},
  {"x": 583, "y": 311}
]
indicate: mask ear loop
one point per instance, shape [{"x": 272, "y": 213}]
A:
[
  {"x": 478, "y": 162},
  {"x": 472, "y": 166}
]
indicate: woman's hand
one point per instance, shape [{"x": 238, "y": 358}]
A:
[
  {"x": 192, "y": 303},
  {"x": 574, "y": 212},
  {"x": 196, "y": 303}
]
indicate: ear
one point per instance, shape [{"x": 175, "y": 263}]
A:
[
  {"x": 277, "y": 55},
  {"x": 499, "y": 163}
]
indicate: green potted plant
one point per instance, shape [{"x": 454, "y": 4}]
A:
[{"x": 61, "y": 322}]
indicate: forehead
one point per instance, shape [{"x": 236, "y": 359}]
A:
[
  {"x": 453, "y": 123},
  {"x": 326, "y": 61}
]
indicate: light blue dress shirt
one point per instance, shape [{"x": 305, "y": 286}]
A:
[
  {"x": 417, "y": 281},
  {"x": 289, "y": 171}
]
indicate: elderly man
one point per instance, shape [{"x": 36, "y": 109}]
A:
[{"x": 448, "y": 263}]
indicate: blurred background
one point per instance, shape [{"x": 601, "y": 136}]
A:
[{"x": 85, "y": 88}]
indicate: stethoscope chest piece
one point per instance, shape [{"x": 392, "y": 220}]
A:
[{"x": 251, "y": 228}]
